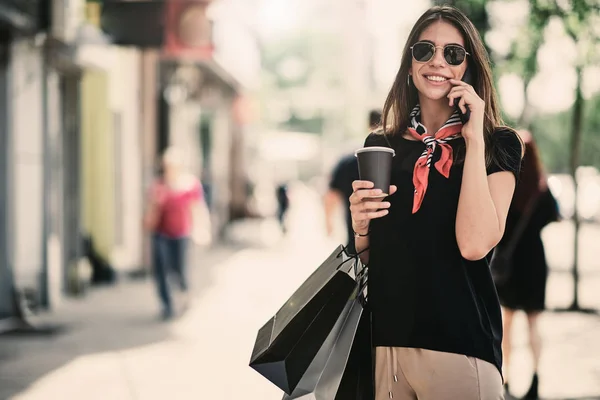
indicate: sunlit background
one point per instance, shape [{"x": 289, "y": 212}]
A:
[{"x": 255, "y": 93}]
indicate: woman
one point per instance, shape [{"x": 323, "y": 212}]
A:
[
  {"x": 524, "y": 287},
  {"x": 169, "y": 218},
  {"x": 436, "y": 319}
]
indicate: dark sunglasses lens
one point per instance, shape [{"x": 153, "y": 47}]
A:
[
  {"x": 454, "y": 55},
  {"x": 423, "y": 51}
]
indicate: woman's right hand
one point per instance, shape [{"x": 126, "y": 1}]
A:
[{"x": 364, "y": 208}]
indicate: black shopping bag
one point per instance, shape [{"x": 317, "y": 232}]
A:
[
  {"x": 342, "y": 369},
  {"x": 287, "y": 344},
  {"x": 359, "y": 376}
]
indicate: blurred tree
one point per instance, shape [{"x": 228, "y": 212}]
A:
[
  {"x": 581, "y": 24},
  {"x": 580, "y": 19},
  {"x": 475, "y": 10},
  {"x": 296, "y": 66},
  {"x": 522, "y": 60},
  {"x": 590, "y": 154},
  {"x": 553, "y": 131}
]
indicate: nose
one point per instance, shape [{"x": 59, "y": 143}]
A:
[{"x": 438, "y": 57}]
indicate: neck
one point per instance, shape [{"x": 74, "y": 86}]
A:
[
  {"x": 434, "y": 113},
  {"x": 171, "y": 177}
]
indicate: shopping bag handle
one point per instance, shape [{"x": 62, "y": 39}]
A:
[
  {"x": 361, "y": 275},
  {"x": 350, "y": 256},
  {"x": 355, "y": 255},
  {"x": 357, "y": 260}
]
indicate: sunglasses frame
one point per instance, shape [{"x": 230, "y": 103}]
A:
[{"x": 412, "y": 53}]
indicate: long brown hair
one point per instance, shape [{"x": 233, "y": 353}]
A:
[{"x": 403, "y": 97}]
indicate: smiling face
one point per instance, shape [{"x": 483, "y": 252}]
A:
[{"x": 431, "y": 78}]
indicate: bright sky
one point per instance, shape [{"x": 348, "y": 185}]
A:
[{"x": 279, "y": 16}]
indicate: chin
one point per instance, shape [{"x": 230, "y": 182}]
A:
[{"x": 435, "y": 95}]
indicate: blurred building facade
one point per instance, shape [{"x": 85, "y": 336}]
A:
[
  {"x": 89, "y": 98},
  {"x": 207, "y": 63},
  {"x": 22, "y": 145}
]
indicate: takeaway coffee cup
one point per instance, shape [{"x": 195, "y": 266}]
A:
[{"x": 375, "y": 165}]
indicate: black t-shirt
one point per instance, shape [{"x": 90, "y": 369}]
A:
[
  {"x": 344, "y": 173},
  {"x": 423, "y": 293}
]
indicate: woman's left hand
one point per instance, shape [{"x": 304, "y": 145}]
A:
[{"x": 473, "y": 129}]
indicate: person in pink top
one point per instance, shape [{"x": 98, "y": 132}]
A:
[{"x": 169, "y": 217}]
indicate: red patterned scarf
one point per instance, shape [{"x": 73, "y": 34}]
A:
[{"x": 449, "y": 131}]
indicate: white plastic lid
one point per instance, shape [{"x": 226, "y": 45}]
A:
[{"x": 375, "y": 148}]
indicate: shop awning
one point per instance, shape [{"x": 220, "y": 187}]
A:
[{"x": 137, "y": 23}]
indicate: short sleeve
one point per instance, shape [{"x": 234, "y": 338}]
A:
[
  {"x": 336, "y": 181},
  {"x": 196, "y": 193},
  {"x": 344, "y": 173},
  {"x": 157, "y": 193},
  {"x": 507, "y": 152},
  {"x": 376, "y": 138}
]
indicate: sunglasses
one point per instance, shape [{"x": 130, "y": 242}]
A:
[{"x": 454, "y": 54}]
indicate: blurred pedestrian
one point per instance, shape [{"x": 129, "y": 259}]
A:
[
  {"x": 283, "y": 203},
  {"x": 521, "y": 275},
  {"x": 436, "y": 317},
  {"x": 340, "y": 187},
  {"x": 169, "y": 216}
]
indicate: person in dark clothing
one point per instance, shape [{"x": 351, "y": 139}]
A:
[
  {"x": 524, "y": 288},
  {"x": 283, "y": 203},
  {"x": 340, "y": 187},
  {"x": 436, "y": 318}
]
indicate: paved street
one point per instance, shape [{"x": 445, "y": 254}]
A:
[{"x": 114, "y": 347}]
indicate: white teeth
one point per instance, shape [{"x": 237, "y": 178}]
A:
[{"x": 436, "y": 78}]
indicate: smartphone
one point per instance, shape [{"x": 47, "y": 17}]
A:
[{"x": 464, "y": 117}]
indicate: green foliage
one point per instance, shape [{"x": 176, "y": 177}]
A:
[
  {"x": 555, "y": 133},
  {"x": 475, "y": 10},
  {"x": 319, "y": 53},
  {"x": 552, "y": 136},
  {"x": 552, "y": 133},
  {"x": 309, "y": 125},
  {"x": 590, "y": 154},
  {"x": 522, "y": 59}
]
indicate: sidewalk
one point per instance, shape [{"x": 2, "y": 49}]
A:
[
  {"x": 96, "y": 328},
  {"x": 115, "y": 348}
]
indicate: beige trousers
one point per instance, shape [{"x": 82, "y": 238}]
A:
[{"x": 409, "y": 374}]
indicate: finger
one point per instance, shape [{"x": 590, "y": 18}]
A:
[
  {"x": 460, "y": 85},
  {"x": 375, "y": 205},
  {"x": 455, "y": 88},
  {"x": 362, "y": 211},
  {"x": 458, "y": 82},
  {"x": 455, "y": 95},
  {"x": 464, "y": 95},
  {"x": 358, "y": 216},
  {"x": 356, "y": 185},
  {"x": 365, "y": 193},
  {"x": 360, "y": 195},
  {"x": 464, "y": 87},
  {"x": 377, "y": 214},
  {"x": 463, "y": 105},
  {"x": 393, "y": 189},
  {"x": 457, "y": 91}
]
